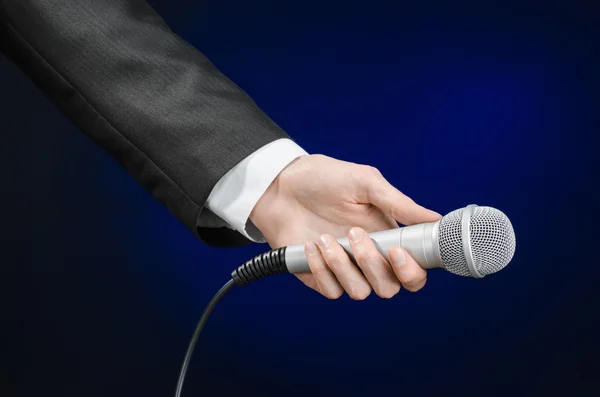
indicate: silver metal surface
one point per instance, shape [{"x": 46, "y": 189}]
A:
[
  {"x": 493, "y": 241},
  {"x": 466, "y": 239},
  {"x": 471, "y": 242}
]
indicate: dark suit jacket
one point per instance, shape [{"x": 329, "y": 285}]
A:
[{"x": 142, "y": 93}]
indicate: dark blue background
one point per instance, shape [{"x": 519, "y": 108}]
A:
[{"x": 493, "y": 104}]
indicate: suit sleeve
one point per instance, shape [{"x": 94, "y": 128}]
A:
[{"x": 156, "y": 104}]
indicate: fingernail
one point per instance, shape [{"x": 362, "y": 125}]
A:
[
  {"x": 398, "y": 256},
  {"x": 311, "y": 248},
  {"x": 356, "y": 234},
  {"x": 325, "y": 240}
]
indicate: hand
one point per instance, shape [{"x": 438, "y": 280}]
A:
[{"x": 316, "y": 198}]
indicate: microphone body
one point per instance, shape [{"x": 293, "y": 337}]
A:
[
  {"x": 420, "y": 241},
  {"x": 471, "y": 242}
]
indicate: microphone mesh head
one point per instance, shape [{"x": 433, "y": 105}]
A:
[
  {"x": 492, "y": 241},
  {"x": 451, "y": 247}
]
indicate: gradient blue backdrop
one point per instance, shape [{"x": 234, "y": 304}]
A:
[{"x": 493, "y": 104}]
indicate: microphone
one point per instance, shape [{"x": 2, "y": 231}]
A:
[{"x": 472, "y": 242}]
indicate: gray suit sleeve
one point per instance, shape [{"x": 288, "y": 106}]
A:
[{"x": 151, "y": 100}]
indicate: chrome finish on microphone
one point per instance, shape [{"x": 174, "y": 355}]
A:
[
  {"x": 420, "y": 241},
  {"x": 493, "y": 240},
  {"x": 295, "y": 259},
  {"x": 466, "y": 239},
  {"x": 476, "y": 241},
  {"x": 472, "y": 242}
]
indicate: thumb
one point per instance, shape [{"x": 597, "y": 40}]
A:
[{"x": 396, "y": 204}]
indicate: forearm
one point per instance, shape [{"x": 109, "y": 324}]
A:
[{"x": 142, "y": 93}]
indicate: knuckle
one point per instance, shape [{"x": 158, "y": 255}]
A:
[
  {"x": 415, "y": 285},
  {"x": 362, "y": 255},
  {"x": 318, "y": 270},
  {"x": 359, "y": 292},
  {"x": 388, "y": 291},
  {"x": 373, "y": 170},
  {"x": 363, "y": 172},
  {"x": 334, "y": 294},
  {"x": 333, "y": 261},
  {"x": 366, "y": 257}
]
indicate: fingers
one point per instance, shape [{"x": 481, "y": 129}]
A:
[
  {"x": 396, "y": 204},
  {"x": 374, "y": 266},
  {"x": 334, "y": 272},
  {"x": 327, "y": 282},
  {"x": 348, "y": 275},
  {"x": 410, "y": 274}
]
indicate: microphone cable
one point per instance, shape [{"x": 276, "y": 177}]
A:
[
  {"x": 263, "y": 265},
  {"x": 188, "y": 355}
]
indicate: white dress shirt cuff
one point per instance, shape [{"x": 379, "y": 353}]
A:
[{"x": 237, "y": 192}]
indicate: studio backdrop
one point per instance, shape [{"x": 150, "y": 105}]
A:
[{"x": 488, "y": 103}]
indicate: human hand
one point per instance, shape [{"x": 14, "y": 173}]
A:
[{"x": 316, "y": 198}]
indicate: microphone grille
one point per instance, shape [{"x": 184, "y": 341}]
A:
[
  {"x": 492, "y": 241},
  {"x": 451, "y": 248}
]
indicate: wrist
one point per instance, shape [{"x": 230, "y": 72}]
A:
[
  {"x": 268, "y": 215},
  {"x": 259, "y": 216}
]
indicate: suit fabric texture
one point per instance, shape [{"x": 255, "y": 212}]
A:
[{"x": 142, "y": 93}]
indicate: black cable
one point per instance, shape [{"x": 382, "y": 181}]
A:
[
  {"x": 188, "y": 355},
  {"x": 261, "y": 266},
  {"x": 267, "y": 264}
]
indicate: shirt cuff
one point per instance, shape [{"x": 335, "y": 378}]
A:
[{"x": 237, "y": 192}]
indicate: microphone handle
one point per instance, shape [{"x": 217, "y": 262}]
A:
[{"x": 420, "y": 241}]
